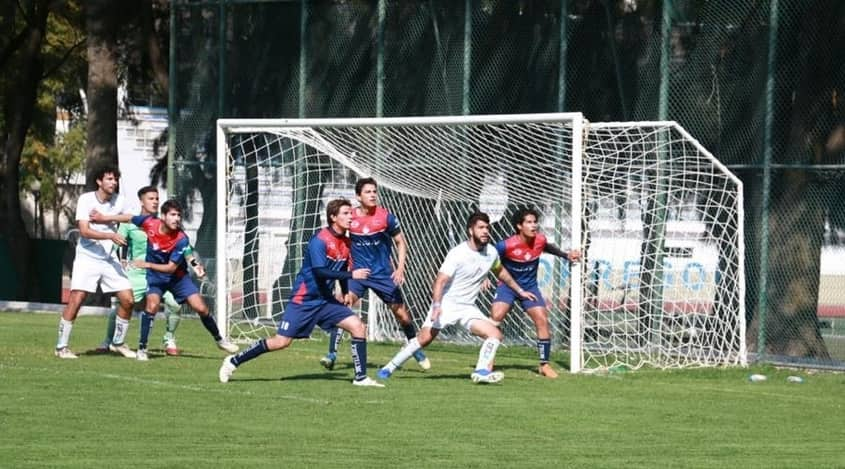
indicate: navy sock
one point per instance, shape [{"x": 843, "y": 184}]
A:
[
  {"x": 254, "y": 350},
  {"x": 359, "y": 357},
  {"x": 335, "y": 338},
  {"x": 409, "y": 330},
  {"x": 544, "y": 346},
  {"x": 146, "y": 326},
  {"x": 211, "y": 326}
]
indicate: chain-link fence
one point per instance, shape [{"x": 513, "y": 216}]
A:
[{"x": 759, "y": 83}]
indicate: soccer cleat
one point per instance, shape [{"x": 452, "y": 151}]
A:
[
  {"x": 367, "y": 381},
  {"x": 170, "y": 347},
  {"x": 547, "y": 371},
  {"x": 486, "y": 376},
  {"x": 65, "y": 352},
  {"x": 226, "y": 369},
  {"x": 123, "y": 350},
  {"x": 142, "y": 356},
  {"x": 224, "y": 344},
  {"x": 422, "y": 360},
  {"x": 328, "y": 361},
  {"x": 384, "y": 373}
]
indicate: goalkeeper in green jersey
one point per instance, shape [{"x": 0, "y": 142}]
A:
[{"x": 136, "y": 247}]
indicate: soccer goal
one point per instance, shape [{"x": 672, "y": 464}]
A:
[{"x": 658, "y": 218}]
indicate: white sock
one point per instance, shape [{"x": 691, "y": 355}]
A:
[
  {"x": 407, "y": 351},
  {"x": 487, "y": 353},
  {"x": 120, "y": 327},
  {"x": 64, "y": 333}
]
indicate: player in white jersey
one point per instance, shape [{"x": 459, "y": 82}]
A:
[
  {"x": 95, "y": 262},
  {"x": 453, "y": 300}
]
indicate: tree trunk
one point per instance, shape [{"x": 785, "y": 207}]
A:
[
  {"x": 101, "y": 22},
  {"x": 22, "y": 99}
]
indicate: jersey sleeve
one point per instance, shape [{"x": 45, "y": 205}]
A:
[
  {"x": 189, "y": 250},
  {"x": 83, "y": 211},
  {"x": 317, "y": 252},
  {"x": 178, "y": 254},
  {"x": 451, "y": 263},
  {"x": 500, "y": 248},
  {"x": 393, "y": 226},
  {"x": 139, "y": 220}
]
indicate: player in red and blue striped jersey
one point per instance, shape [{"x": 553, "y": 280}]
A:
[
  {"x": 313, "y": 301},
  {"x": 167, "y": 270},
  {"x": 373, "y": 232},
  {"x": 520, "y": 254}
]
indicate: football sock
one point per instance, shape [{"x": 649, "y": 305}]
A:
[
  {"x": 544, "y": 346},
  {"x": 404, "y": 354},
  {"x": 487, "y": 353},
  {"x": 254, "y": 350},
  {"x": 335, "y": 339},
  {"x": 64, "y": 333},
  {"x": 409, "y": 330},
  {"x": 359, "y": 357},
  {"x": 110, "y": 326},
  {"x": 211, "y": 326},
  {"x": 121, "y": 326},
  {"x": 146, "y": 326}
]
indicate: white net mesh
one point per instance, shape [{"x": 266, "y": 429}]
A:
[{"x": 432, "y": 176}]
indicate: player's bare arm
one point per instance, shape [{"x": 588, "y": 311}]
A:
[
  {"x": 505, "y": 276},
  {"x": 168, "y": 268},
  {"x": 401, "y": 256},
  {"x": 99, "y": 217},
  {"x": 86, "y": 231},
  {"x": 437, "y": 294}
]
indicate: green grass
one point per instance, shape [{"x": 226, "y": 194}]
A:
[{"x": 283, "y": 410}]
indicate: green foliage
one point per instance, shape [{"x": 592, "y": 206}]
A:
[
  {"x": 55, "y": 166},
  {"x": 283, "y": 408}
]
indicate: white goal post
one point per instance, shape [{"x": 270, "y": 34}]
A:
[{"x": 658, "y": 219}]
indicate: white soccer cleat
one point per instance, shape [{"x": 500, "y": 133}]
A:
[
  {"x": 486, "y": 376},
  {"x": 227, "y": 346},
  {"x": 65, "y": 352},
  {"x": 226, "y": 369},
  {"x": 123, "y": 349},
  {"x": 367, "y": 381},
  {"x": 170, "y": 347},
  {"x": 142, "y": 356},
  {"x": 422, "y": 360}
]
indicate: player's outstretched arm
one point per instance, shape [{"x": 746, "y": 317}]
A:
[
  {"x": 98, "y": 217},
  {"x": 86, "y": 232},
  {"x": 168, "y": 268},
  {"x": 573, "y": 255},
  {"x": 505, "y": 276}
]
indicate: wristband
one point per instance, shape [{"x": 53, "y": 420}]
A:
[
  {"x": 435, "y": 304},
  {"x": 194, "y": 262}
]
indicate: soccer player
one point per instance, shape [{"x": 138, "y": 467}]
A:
[
  {"x": 373, "y": 231},
  {"x": 136, "y": 248},
  {"x": 94, "y": 262},
  {"x": 453, "y": 300},
  {"x": 313, "y": 301},
  {"x": 167, "y": 270},
  {"x": 520, "y": 254}
]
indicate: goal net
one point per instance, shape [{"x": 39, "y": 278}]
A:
[{"x": 658, "y": 219}]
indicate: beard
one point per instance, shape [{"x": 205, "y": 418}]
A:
[{"x": 478, "y": 242}]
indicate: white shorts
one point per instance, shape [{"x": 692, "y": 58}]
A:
[
  {"x": 87, "y": 272},
  {"x": 455, "y": 314}
]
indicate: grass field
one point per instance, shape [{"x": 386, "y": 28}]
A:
[{"x": 283, "y": 410}]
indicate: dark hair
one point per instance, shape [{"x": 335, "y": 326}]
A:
[
  {"x": 333, "y": 208},
  {"x": 520, "y": 215},
  {"x": 107, "y": 169},
  {"x": 476, "y": 217},
  {"x": 146, "y": 189},
  {"x": 359, "y": 186},
  {"x": 171, "y": 205}
]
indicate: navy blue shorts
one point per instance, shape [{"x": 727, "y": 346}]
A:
[
  {"x": 383, "y": 287},
  {"x": 299, "y": 319},
  {"x": 504, "y": 294},
  {"x": 181, "y": 288}
]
